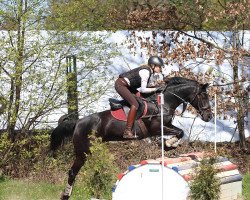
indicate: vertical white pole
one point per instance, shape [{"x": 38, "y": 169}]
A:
[
  {"x": 215, "y": 123},
  {"x": 162, "y": 145}
]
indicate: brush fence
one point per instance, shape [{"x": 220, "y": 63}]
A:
[{"x": 144, "y": 181}]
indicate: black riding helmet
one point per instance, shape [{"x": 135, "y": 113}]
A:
[{"x": 156, "y": 61}]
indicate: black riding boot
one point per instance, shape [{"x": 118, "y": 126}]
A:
[{"x": 130, "y": 122}]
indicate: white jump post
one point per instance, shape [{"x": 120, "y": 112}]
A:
[
  {"x": 161, "y": 102},
  {"x": 215, "y": 123}
]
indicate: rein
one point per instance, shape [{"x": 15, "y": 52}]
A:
[
  {"x": 157, "y": 114},
  {"x": 185, "y": 103},
  {"x": 158, "y": 109}
]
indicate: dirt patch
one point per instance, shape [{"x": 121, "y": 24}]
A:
[{"x": 133, "y": 152}]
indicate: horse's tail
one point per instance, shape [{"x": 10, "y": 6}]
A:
[{"x": 63, "y": 130}]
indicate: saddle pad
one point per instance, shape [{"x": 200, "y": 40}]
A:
[{"x": 121, "y": 115}]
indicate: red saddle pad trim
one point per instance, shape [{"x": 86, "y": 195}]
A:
[{"x": 120, "y": 114}]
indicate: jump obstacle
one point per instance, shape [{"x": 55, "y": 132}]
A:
[
  {"x": 143, "y": 181},
  {"x": 169, "y": 178}
]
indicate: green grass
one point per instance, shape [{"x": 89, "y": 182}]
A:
[
  {"x": 246, "y": 186},
  {"x": 25, "y": 190}
]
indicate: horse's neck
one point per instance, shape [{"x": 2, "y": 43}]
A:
[{"x": 183, "y": 94}]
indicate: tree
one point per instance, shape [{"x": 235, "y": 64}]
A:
[
  {"x": 81, "y": 15},
  {"x": 2, "y": 104},
  {"x": 111, "y": 14},
  {"x": 229, "y": 19},
  {"x": 225, "y": 15},
  {"x": 33, "y": 64}
]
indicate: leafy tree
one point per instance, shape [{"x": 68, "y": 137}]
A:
[
  {"x": 111, "y": 14},
  {"x": 2, "y": 104},
  {"x": 213, "y": 14},
  {"x": 81, "y": 15},
  {"x": 224, "y": 15},
  {"x": 33, "y": 64},
  {"x": 149, "y": 15},
  {"x": 188, "y": 44}
]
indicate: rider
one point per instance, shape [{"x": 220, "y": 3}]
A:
[{"x": 133, "y": 79}]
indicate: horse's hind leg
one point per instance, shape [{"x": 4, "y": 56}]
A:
[{"x": 81, "y": 147}]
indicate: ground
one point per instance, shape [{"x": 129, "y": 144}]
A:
[{"x": 132, "y": 152}]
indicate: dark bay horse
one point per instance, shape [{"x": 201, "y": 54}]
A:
[{"x": 177, "y": 91}]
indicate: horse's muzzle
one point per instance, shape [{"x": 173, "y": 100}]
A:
[{"x": 206, "y": 115}]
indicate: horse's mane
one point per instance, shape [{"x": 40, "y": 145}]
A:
[
  {"x": 172, "y": 84},
  {"x": 179, "y": 80}
]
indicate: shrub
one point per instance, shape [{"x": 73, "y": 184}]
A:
[
  {"x": 205, "y": 185},
  {"x": 19, "y": 157},
  {"x": 99, "y": 170},
  {"x": 28, "y": 157}
]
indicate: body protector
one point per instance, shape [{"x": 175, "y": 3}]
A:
[{"x": 134, "y": 77}]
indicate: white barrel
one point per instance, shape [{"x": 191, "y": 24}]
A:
[{"x": 144, "y": 181}]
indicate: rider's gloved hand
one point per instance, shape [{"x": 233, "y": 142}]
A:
[{"x": 160, "y": 89}]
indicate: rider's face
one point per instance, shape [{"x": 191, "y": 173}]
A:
[{"x": 157, "y": 69}]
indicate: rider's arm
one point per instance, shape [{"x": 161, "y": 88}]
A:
[
  {"x": 144, "y": 74},
  {"x": 155, "y": 80}
]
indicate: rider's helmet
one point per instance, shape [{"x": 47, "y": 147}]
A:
[{"x": 156, "y": 61}]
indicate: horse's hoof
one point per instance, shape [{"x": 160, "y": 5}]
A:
[
  {"x": 64, "y": 197},
  {"x": 176, "y": 143},
  {"x": 167, "y": 144},
  {"x": 171, "y": 141}
]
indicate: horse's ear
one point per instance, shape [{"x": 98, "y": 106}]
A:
[{"x": 205, "y": 86}]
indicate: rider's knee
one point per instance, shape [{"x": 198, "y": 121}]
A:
[{"x": 136, "y": 105}]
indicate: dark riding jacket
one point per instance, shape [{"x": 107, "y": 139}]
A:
[{"x": 134, "y": 77}]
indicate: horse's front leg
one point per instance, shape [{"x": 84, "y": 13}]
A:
[
  {"x": 173, "y": 130},
  {"x": 175, "y": 134},
  {"x": 78, "y": 163},
  {"x": 81, "y": 147}
]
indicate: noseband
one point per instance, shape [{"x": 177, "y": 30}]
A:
[{"x": 201, "y": 109}]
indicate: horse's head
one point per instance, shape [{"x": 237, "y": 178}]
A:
[
  {"x": 182, "y": 90},
  {"x": 201, "y": 103}
]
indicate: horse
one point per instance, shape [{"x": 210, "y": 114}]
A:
[{"x": 177, "y": 90}]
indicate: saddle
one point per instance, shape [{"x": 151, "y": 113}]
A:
[{"x": 120, "y": 109}]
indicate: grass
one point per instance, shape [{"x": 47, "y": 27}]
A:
[
  {"x": 246, "y": 186},
  {"x": 25, "y": 190}
]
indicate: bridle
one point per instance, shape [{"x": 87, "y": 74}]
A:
[{"x": 201, "y": 108}]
